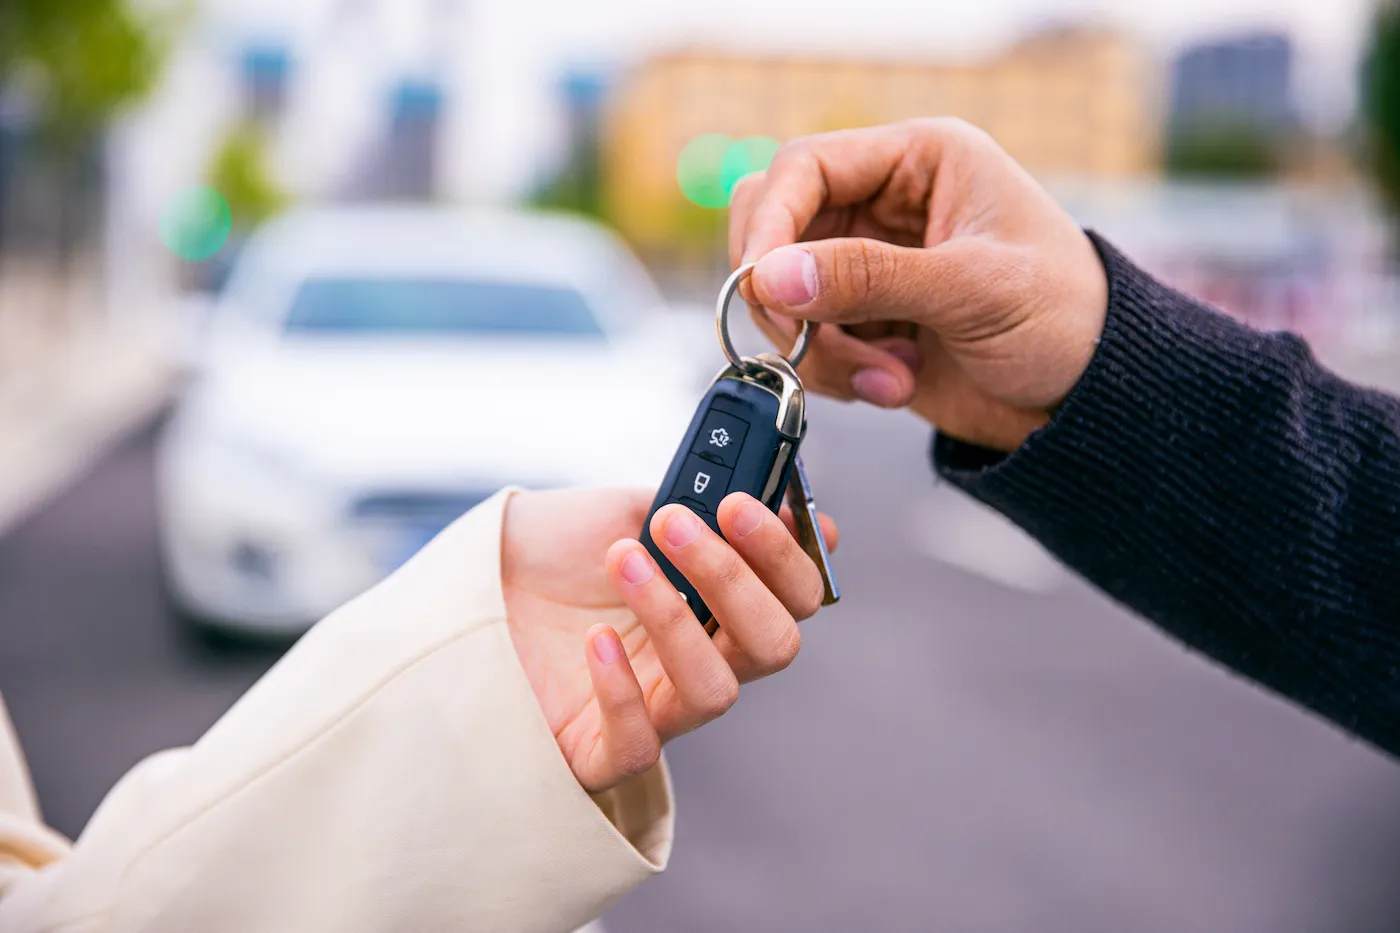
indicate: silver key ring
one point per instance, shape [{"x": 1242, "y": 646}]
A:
[{"x": 731, "y": 285}]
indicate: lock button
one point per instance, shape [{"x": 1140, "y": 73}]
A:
[
  {"x": 720, "y": 437},
  {"x": 702, "y": 482}
]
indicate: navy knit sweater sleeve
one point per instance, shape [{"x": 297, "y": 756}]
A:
[{"x": 1220, "y": 482}]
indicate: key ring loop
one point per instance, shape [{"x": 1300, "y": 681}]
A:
[{"x": 731, "y": 285}]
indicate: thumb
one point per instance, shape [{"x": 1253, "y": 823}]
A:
[{"x": 850, "y": 280}]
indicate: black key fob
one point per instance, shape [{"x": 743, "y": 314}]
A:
[{"x": 744, "y": 437}]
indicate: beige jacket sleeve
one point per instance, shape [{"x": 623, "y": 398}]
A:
[{"x": 393, "y": 772}]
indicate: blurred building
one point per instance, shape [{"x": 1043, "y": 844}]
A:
[
  {"x": 573, "y": 185},
  {"x": 266, "y": 69},
  {"x": 1244, "y": 81},
  {"x": 1233, "y": 111},
  {"x": 1065, "y": 102},
  {"x": 583, "y": 92},
  {"x": 402, "y": 164}
]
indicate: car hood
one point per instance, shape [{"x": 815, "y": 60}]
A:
[{"x": 450, "y": 415}]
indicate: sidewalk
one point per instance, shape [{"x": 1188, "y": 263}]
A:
[{"x": 60, "y": 412}]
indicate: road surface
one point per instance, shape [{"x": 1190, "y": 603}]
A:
[{"x": 971, "y": 741}]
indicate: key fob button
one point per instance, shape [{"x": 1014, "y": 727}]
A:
[
  {"x": 702, "y": 481},
  {"x": 721, "y": 435}
]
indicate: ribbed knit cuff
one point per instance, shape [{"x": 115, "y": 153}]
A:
[
  {"x": 1217, "y": 480},
  {"x": 1163, "y": 363}
]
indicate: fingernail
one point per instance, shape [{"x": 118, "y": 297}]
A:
[
  {"x": 748, "y": 518},
  {"x": 682, "y": 528},
  {"x": 635, "y": 568},
  {"x": 789, "y": 275},
  {"x": 607, "y": 647},
  {"x": 877, "y": 387}
]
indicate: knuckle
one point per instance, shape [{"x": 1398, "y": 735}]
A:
[
  {"x": 721, "y": 697},
  {"x": 862, "y": 271},
  {"x": 676, "y": 615},
  {"x": 638, "y": 756},
  {"x": 879, "y": 261},
  {"x": 661, "y": 620},
  {"x": 952, "y": 126},
  {"x": 928, "y": 126},
  {"x": 791, "y": 153},
  {"x": 786, "y": 553},
  {"x": 745, "y": 187},
  {"x": 727, "y": 570},
  {"x": 948, "y": 128},
  {"x": 951, "y": 135},
  {"x": 809, "y": 603},
  {"x": 782, "y": 651},
  {"x": 804, "y": 590},
  {"x": 790, "y": 562}
]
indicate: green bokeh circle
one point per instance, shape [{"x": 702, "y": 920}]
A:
[
  {"x": 698, "y": 169},
  {"x": 749, "y": 155},
  {"x": 195, "y": 223}
]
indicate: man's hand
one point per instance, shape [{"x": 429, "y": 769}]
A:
[
  {"x": 616, "y": 658},
  {"x": 965, "y": 292}
]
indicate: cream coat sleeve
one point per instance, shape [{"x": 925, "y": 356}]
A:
[{"x": 393, "y": 772}]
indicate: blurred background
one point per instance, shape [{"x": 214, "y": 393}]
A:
[{"x": 285, "y": 287}]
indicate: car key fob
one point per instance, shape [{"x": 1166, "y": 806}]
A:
[{"x": 745, "y": 436}]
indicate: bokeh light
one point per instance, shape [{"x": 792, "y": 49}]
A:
[
  {"x": 195, "y": 223},
  {"x": 749, "y": 155},
  {"x": 710, "y": 166},
  {"x": 698, "y": 169}
]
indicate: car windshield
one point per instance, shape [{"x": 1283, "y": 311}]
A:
[{"x": 418, "y": 306}]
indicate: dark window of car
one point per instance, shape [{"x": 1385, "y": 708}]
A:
[{"x": 414, "y": 306}]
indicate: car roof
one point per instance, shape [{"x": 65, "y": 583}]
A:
[
  {"x": 436, "y": 241},
  {"x": 385, "y": 239}
]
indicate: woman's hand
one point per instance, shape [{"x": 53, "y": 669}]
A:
[
  {"x": 616, "y": 658},
  {"x": 965, "y": 291}
]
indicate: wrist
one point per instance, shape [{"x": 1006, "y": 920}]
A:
[
  {"x": 983, "y": 423},
  {"x": 1087, "y": 311}
]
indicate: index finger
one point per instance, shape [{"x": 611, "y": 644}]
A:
[{"x": 829, "y": 170}]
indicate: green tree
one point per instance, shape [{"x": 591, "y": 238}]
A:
[
  {"x": 77, "y": 63},
  {"x": 577, "y": 188},
  {"x": 1222, "y": 149},
  {"x": 1381, "y": 96},
  {"x": 239, "y": 172}
]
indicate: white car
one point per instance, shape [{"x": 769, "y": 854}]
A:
[{"x": 369, "y": 374}]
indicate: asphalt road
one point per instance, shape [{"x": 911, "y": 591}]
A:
[{"x": 972, "y": 741}]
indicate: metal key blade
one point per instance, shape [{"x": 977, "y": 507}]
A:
[{"x": 809, "y": 529}]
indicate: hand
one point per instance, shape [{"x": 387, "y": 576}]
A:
[
  {"x": 616, "y": 658},
  {"x": 965, "y": 292}
]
